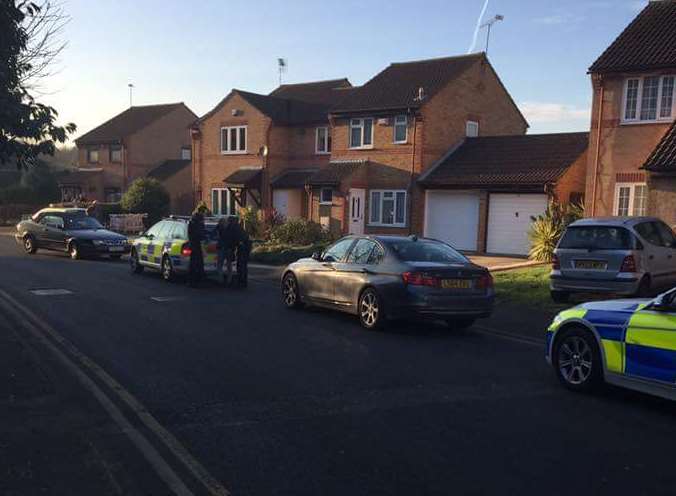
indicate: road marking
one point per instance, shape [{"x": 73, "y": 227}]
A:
[
  {"x": 540, "y": 343},
  {"x": 163, "y": 299},
  {"x": 76, "y": 361},
  {"x": 50, "y": 292}
]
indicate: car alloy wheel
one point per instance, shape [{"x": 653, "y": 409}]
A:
[
  {"x": 74, "y": 251},
  {"x": 29, "y": 245},
  {"x": 370, "y": 309},
  {"x": 290, "y": 292},
  {"x": 576, "y": 360},
  {"x": 167, "y": 269}
]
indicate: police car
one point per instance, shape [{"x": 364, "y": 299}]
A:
[
  {"x": 629, "y": 343},
  {"x": 165, "y": 247}
]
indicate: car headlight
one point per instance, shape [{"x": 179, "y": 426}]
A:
[{"x": 98, "y": 242}]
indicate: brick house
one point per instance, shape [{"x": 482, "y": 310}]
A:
[
  {"x": 259, "y": 150},
  {"x": 392, "y": 129},
  {"x": 127, "y": 147},
  {"x": 481, "y": 195},
  {"x": 633, "y": 136},
  {"x": 175, "y": 174}
]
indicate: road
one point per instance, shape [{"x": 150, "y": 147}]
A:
[{"x": 272, "y": 401}]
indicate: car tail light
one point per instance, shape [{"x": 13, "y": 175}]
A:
[
  {"x": 186, "y": 251},
  {"x": 485, "y": 282},
  {"x": 628, "y": 264},
  {"x": 420, "y": 279},
  {"x": 556, "y": 264}
]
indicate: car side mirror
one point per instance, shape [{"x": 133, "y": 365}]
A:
[
  {"x": 660, "y": 305},
  {"x": 317, "y": 256}
]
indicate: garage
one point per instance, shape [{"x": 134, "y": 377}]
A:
[
  {"x": 453, "y": 217},
  {"x": 509, "y": 219}
]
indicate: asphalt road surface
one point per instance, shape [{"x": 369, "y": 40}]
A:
[{"x": 273, "y": 401}]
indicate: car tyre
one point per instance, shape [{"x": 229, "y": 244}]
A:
[
  {"x": 460, "y": 324},
  {"x": 644, "y": 288},
  {"x": 134, "y": 264},
  {"x": 371, "y": 311},
  {"x": 74, "y": 251},
  {"x": 29, "y": 245},
  {"x": 577, "y": 360},
  {"x": 560, "y": 296},
  {"x": 167, "y": 269},
  {"x": 291, "y": 292}
]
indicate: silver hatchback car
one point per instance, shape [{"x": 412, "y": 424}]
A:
[{"x": 620, "y": 255}]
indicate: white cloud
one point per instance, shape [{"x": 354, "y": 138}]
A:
[{"x": 547, "y": 112}]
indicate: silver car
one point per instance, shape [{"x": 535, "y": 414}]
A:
[
  {"x": 388, "y": 277},
  {"x": 620, "y": 255}
]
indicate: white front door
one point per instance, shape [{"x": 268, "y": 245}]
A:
[
  {"x": 509, "y": 219},
  {"x": 357, "y": 199},
  {"x": 280, "y": 201},
  {"x": 453, "y": 217}
]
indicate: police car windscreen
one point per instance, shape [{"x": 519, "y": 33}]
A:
[{"x": 597, "y": 238}]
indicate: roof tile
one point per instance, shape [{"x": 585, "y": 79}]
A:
[{"x": 663, "y": 157}]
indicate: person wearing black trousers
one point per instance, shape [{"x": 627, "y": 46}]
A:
[{"x": 196, "y": 234}]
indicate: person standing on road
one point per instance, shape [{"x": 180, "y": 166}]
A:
[
  {"x": 196, "y": 234},
  {"x": 243, "y": 250},
  {"x": 227, "y": 243}
]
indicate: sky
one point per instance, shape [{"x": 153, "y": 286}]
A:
[{"x": 197, "y": 51}]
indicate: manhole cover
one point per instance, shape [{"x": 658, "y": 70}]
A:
[{"x": 50, "y": 292}]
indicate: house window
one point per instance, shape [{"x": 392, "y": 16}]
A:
[
  {"x": 222, "y": 202},
  {"x": 116, "y": 153},
  {"x": 400, "y": 129},
  {"x": 361, "y": 133},
  {"x": 649, "y": 98},
  {"x": 471, "y": 129},
  {"x": 631, "y": 199},
  {"x": 93, "y": 155},
  {"x": 233, "y": 139},
  {"x": 112, "y": 195},
  {"x": 388, "y": 208},
  {"x": 186, "y": 153},
  {"x": 326, "y": 196},
  {"x": 323, "y": 140}
]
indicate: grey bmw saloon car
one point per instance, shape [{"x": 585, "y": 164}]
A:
[{"x": 389, "y": 277}]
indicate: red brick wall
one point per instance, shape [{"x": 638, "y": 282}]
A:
[
  {"x": 623, "y": 147},
  {"x": 573, "y": 181},
  {"x": 181, "y": 200}
]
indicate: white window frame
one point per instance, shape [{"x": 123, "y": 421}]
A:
[
  {"x": 470, "y": 124},
  {"x": 113, "y": 149},
  {"x": 327, "y": 139},
  {"x": 231, "y": 207},
  {"x": 379, "y": 222},
  {"x": 321, "y": 196},
  {"x": 360, "y": 125},
  {"x": 398, "y": 123},
  {"x": 90, "y": 151},
  {"x": 237, "y": 150},
  {"x": 639, "y": 100},
  {"x": 632, "y": 197}
]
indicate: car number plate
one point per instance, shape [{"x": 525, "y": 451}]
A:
[
  {"x": 456, "y": 283},
  {"x": 591, "y": 264},
  {"x": 116, "y": 248}
]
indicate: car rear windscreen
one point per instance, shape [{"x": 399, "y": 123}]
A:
[
  {"x": 420, "y": 250},
  {"x": 597, "y": 238}
]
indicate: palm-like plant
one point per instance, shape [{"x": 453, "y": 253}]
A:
[{"x": 547, "y": 229}]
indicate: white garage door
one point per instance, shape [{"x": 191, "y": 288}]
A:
[
  {"x": 509, "y": 218},
  {"x": 452, "y": 217}
]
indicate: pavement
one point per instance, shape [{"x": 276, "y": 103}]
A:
[{"x": 234, "y": 393}]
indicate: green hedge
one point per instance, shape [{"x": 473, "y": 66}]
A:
[{"x": 282, "y": 254}]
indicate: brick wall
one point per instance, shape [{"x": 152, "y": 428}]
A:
[
  {"x": 623, "y": 147},
  {"x": 181, "y": 199},
  {"x": 572, "y": 181},
  {"x": 662, "y": 198}
]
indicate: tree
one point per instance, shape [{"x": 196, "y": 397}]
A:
[
  {"x": 146, "y": 196},
  {"x": 28, "y": 46}
]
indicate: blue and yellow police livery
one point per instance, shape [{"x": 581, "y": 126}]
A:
[
  {"x": 630, "y": 343},
  {"x": 165, "y": 247}
]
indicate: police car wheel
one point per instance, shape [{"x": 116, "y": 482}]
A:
[
  {"x": 290, "y": 292},
  {"x": 167, "y": 269},
  {"x": 134, "y": 264},
  {"x": 577, "y": 360}
]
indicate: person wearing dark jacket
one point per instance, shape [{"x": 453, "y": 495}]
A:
[
  {"x": 243, "y": 250},
  {"x": 228, "y": 236},
  {"x": 196, "y": 234}
]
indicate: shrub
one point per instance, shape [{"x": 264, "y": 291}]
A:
[
  {"x": 547, "y": 229},
  {"x": 275, "y": 254},
  {"x": 269, "y": 219},
  {"x": 202, "y": 208},
  {"x": 298, "y": 232},
  {"x": 252, "y": 220},
  {"x": 146, "y": 196}
]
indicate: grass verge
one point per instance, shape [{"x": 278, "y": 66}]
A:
[{"x": 528, "y": 287}]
